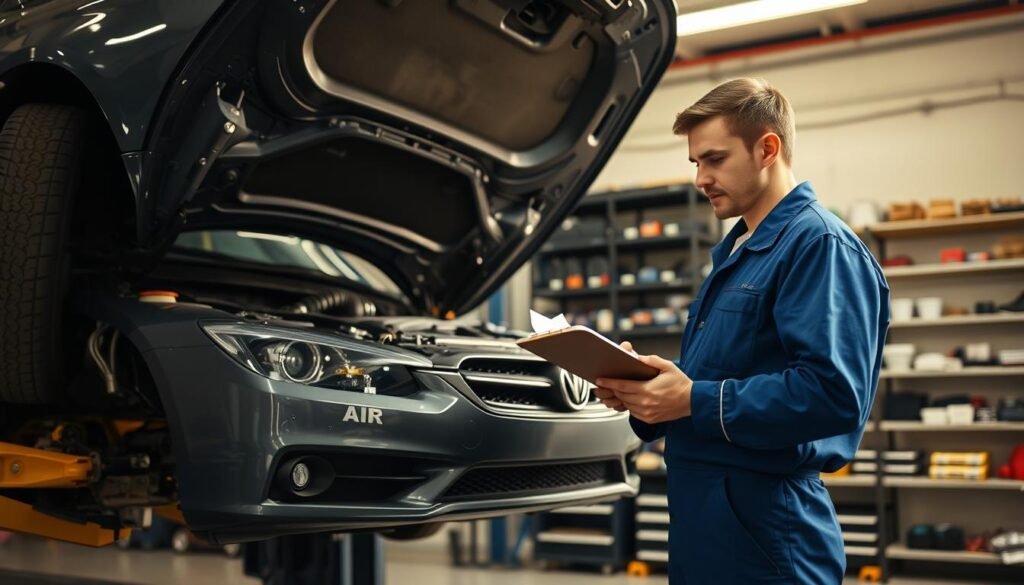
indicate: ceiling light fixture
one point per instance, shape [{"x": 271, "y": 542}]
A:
[{"x": 750, "y": 12}]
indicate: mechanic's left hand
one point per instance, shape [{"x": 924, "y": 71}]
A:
[{"x": 662, "y": 398}]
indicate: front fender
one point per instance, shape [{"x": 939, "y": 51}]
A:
[{"x": 123, "y": 51}]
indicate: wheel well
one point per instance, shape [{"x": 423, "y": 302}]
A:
[{"x": 108, "y": 187}]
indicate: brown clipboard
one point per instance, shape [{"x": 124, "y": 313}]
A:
[{"x": 588, "y": 354}]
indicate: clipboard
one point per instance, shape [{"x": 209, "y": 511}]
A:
[{"x": 588, "y": 354}]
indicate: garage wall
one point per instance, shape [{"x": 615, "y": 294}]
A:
[
  {"x": 936, "y": 112},
  {"x": 912, "y": 115}
]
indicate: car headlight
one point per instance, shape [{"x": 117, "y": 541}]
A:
[{"x": 315, "y": 359}]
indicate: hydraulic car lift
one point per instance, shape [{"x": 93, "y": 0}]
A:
[
  {"x": 25, "y": 467},
  {"x": 317, "y": 559},
  {"x": 314, "y": 559}
]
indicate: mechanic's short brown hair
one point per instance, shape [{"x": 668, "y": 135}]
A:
[{"x": 750, "y": 107}]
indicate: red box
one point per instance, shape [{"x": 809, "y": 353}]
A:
[{"x": 953, "y": 255}]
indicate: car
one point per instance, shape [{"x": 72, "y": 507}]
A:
[{"x": 242, "y": 242}]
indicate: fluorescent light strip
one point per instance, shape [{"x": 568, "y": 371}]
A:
[{"x": 751, "y": 12}]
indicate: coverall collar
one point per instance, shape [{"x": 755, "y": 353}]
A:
[{"x": 768, "y": 232}]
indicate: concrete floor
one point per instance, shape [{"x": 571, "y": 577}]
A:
[{"x": 404, "y": 564}]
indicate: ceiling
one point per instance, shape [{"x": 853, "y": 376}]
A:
[{"x": 871, "y": 14}]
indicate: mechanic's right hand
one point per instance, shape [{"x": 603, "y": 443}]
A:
[{"x": 608, "y": 396}]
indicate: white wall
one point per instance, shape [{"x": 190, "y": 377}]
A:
[{"x": 960, "y": 152}]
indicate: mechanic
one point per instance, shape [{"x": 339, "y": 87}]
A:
[{"x": 779, "y": 362}]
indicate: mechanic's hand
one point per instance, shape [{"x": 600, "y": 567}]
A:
[
  {"x": 608, "y": 398},
  {"x": 662, "y": 398},
  {"x": 606, "y": 395}
]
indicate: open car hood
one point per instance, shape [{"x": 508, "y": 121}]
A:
[{"x": 443, "y": 140}]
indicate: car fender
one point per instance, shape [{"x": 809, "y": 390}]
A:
[{"x": 124, "y": 52}]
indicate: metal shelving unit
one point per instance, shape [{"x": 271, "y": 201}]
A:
[
  {"x": 953, "y": 269},
  {"x": 958, "y": 321},
  {"x": 918, "y": 482},
  {"x": 856, "y": 480},
  {"x": 941, "y": 227},
  {"x": 694, "y": 241},
  {"x": 971, "y": 372},
  {"x": 909, "y": 426},
  {"x": 599, "y": 535},
  {"x": 652, "y": 517},
  {"x": 886, "y": 488},
  {"x": 900, "y": 551}
]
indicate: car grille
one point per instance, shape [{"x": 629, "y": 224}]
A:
[
  {"x": 533, "y": 479},
  {"x": 518, "y": 384}
]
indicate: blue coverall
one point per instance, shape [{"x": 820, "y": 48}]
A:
[{"x": 784, "y": 345}]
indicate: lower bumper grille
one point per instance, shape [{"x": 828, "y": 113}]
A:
[{"x": 534, "y": 479}]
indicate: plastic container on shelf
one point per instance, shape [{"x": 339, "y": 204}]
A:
[
  {"x": 935, "y": 415},
  {"x": 898, "y": 356},
  {"x": 960, "y": 414},
  {"x": 929, "y": 307},
  {"x": 902, "y": 309}
]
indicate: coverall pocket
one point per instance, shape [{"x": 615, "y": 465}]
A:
[
  {"x": 757, "y": 565},
  {"x": 731, "y": 329}
]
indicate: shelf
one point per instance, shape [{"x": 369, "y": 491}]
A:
[
  {"x": 953, "y": 268},
  {"x": 856, "y": 520},
  {"x": 975, "y": 371},
  {"x": 652, "y": 518},
  {"x": 642, "y": 197},
  {"x": 652, "y": 331},
  {"x": 652, "y": 535},
  {"x": 658, "y": 556},
  {"x": 601, "y": 243},
  {"x": 678, "y": 284},
  {"x": 861, "y": 551},
  {"x": 941, "y": 227},
  {"x": 860, "y": 537},
  {"x": 915, "y": 426},
  {"x": 863, "y": 480},
  {"x": 899, "y": 551},
  {"x": 663, "y": 242},
  {"x": 993, "y": 319},
  {"x": 571, "y": 292},
  {"x": 580, "y": 245},
  {"x": 600, "y": 510},
  {"x": 962, "y": 484},
  {"x": 655, "y": 287},
  {"x": 652, "y": 501},
  {"x": 576, "y": 538}
]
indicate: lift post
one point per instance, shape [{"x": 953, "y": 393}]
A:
[{"x": 317, "y": 559}]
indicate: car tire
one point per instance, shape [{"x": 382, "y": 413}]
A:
[
  {"x": 180, "y": 541},
  {"x": 42, "y": 152}
]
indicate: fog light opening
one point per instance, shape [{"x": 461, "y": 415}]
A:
[
  {"x": 305, "y": 476},
  {"x": 300, "y": 476}
]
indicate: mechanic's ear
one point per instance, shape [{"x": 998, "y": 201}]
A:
[{"x": 768, "y": 149}]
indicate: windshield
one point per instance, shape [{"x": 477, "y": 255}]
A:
[{"x": 290, "y": 251}]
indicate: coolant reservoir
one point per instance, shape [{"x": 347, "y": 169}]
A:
[{"x": 158, "y": 296}]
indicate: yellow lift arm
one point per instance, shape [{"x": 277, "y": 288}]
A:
[{"x": 25, "y": 467}]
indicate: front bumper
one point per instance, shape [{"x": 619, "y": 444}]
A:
[{"x": 432, "y": 456}]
